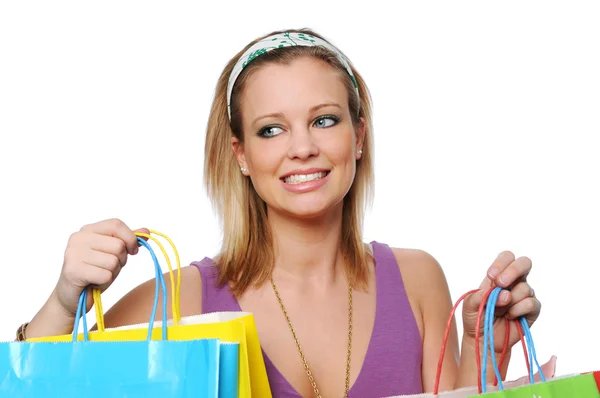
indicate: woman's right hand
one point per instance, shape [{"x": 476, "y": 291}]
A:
[{"x": 94, "y": 257}]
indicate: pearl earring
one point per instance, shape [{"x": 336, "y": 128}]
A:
[
  {"x": 243, "y": 169},
  {"x": 359, "y": 151}
]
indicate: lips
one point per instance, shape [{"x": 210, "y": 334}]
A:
[
  {"x": 300, "y": 172},
  {"x": 300, "y": 178},
  {"x": 304, "y": 181}
]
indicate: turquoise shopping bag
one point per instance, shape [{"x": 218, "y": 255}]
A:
[{"x": 101, "y": 369}]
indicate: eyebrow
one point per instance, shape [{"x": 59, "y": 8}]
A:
[{"x": 311, "y": 110}]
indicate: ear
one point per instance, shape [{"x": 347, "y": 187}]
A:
[
  {"x": 238, "y": 150},
  {"x": 361, "y": 132}
]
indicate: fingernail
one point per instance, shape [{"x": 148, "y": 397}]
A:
[
  {"x": 136, "y": 250},
  {"x": 504, "y": 296},
  {"x": 502, "y": 280},
  {"x": 493, "y": 273}
]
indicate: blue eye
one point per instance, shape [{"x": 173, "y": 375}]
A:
[
  {"x": 270, "y": 131},
  {"x": 326, "y": 121}
]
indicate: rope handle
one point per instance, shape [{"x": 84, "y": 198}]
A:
[
  {"x": 480, "y": 315},
  {"x": 160, "y": 286},
  {"x": 524, "y": 334},
  {"x": 175, "y": 288}
]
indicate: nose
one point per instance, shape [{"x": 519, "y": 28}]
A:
[{"x": 302, "y": 144}]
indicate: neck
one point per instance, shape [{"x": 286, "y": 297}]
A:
[{"x": 308, "y": 251}]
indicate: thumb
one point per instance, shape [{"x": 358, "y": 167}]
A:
[
  {"x": 472, "y": 302},
  {"x": 143, "y": 231}
]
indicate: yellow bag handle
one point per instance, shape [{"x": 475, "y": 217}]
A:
[{"x": 175, "y": 289}]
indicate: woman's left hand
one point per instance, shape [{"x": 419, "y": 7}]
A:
[{"x": 510, "y": 273}]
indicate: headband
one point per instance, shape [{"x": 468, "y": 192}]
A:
[{"x": 288, "y": 39}]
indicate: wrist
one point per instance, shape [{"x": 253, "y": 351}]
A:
[
  {"x": 51, "y": 320},
  {"x": 55, "y": 307},
  {"x": 469, "y": 343},
  {"x": 468, "y": 368}
]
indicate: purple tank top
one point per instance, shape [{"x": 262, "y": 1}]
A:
[{"x": 392, "y": 365}]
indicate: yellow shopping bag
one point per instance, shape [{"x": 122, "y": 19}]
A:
[{"x": 227, "y": 326}]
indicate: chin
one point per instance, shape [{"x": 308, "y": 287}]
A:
[{"x": 311, "y": 209}]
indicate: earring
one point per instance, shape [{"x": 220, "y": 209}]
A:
[
  {"x": 243, "y": 169},
  {"x": 359, "y": 151}
]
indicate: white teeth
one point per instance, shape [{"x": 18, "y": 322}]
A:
[{"x": 300, "y": 178}]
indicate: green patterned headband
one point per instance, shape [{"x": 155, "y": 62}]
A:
[{"x": 288, "y": 39}]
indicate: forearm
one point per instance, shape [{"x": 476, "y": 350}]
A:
[
  {"x": 51, "y": 320},
  {"x": 467, "y": 371}
]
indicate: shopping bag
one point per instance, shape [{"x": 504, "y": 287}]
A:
[
  {"x": 234, "y": 327},
  {"x": 573, "y": 386},
  {"x": 146, "y": 368},
  {"x": 466, "y": 392}
]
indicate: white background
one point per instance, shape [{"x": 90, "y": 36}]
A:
[{"x": 486, "y": 124}]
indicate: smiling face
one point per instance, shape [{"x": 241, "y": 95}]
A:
[{"x": 300, "y": 144}]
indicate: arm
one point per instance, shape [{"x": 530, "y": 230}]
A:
[
  {"x": 133, "y": 308},
  {"x": 427, "y": 288},
  {"x": 95, "y": 256},
  {"x": 426, "y": 284},
  {"x": 467, "y": 375}
]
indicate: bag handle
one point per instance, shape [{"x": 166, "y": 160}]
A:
[
  {"x": 175, "y": 289},
  {"x": 524, "y": 333},
  {"x": 483, "y": 305},
  {"x": 438, "y": 375},
  {"x": 160, "y": 284}
]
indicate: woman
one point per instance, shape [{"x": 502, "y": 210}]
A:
[{"x": 289, "y": 167}]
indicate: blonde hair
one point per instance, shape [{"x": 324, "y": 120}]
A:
[{"x": 246, "y": 257}]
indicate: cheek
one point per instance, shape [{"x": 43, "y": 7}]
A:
[
  {"x": 340, "y": 149},
  {"x": 263, "y": 159}
]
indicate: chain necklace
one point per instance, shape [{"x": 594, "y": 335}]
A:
[{"x": 308, "y": 372}]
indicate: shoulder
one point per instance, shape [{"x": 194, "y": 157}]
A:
[
  {"x": 424, "y": 282},
  {"x": 418, "y": 266}
]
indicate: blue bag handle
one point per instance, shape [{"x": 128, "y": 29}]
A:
[
  {"x": 160, "y": 285},
  {"x": 488, "y": 336},
  {"x": 531, "y": 351}
]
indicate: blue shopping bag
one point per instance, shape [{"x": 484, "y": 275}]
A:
[{"x": 101, "y": 369}]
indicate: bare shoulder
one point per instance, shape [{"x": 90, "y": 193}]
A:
[
  {"x": 418, "y": 268},
  {"x": 136, "y": 306},
  {"x": 424, "y": 281}
]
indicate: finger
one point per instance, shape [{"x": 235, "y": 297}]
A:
[
  {"x": 517, "y": 271},
  {"x": 502, "y": 302},
  {"x": 144, "y": 231},
  {"x": 115, "y": 228},
  {"x": 501, "y": 262},
  {"x": 97, "y": 276},
  {"x": 529, "y": 307},
  {"x": 504, "y": 298},
  {"x": 106, "y": 261},
  {"x": 471, "y": 303},
  {"x": 508, "y": 298},
  {"x": 105, "y": 244},
  {"x": 520, "y": 292}
]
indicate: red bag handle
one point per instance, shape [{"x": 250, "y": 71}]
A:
[{"x": 480, "y": 315}]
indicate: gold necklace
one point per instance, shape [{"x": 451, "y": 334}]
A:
[{"x": 308, "y": 372}]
